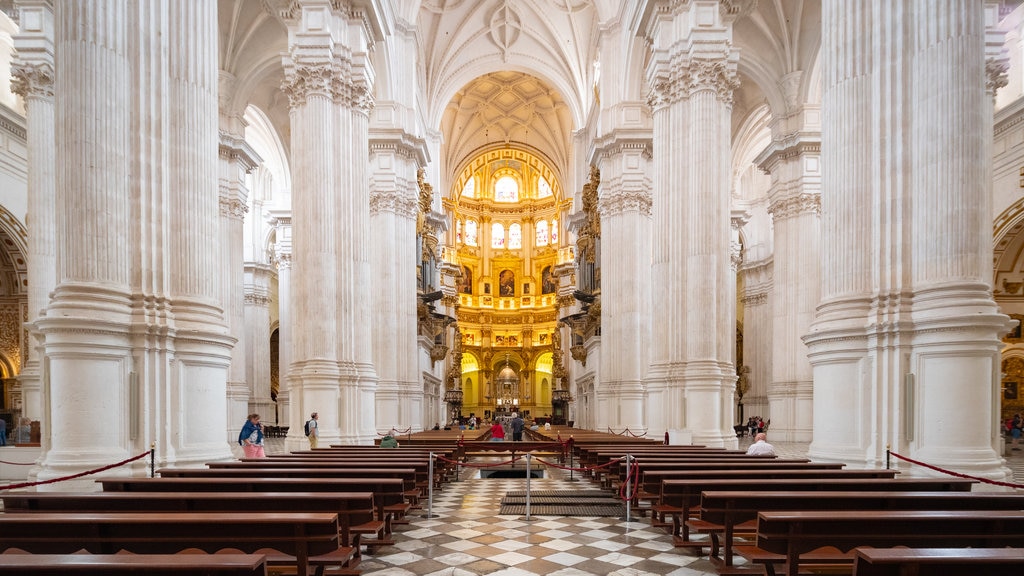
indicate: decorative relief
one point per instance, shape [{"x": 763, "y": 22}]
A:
[
  {"x": 733, "y": 9},
  {"x": 305, "y": 79},
  {"x": 284, "y": 260},
  {"x": 590, "y": 229},
  {"x": 32, "y": 80},
  {"x": 233, "y": 208},
  {"x": 626, "y": 201},
  {"x": 795, "y": 206},
  {"x": 426, "y": 200},
  {"x": 506, "y": 27},
  {"x": 756, "y": 299},
  {"x": 10, "y": 333}
]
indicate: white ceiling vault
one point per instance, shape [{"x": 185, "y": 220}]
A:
[{"x": 518, "y": 72}]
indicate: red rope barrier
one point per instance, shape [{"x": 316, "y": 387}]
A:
[
  {"x": 73, "y": 476},
  {"x": 396, "y": 431},
  {"x": 468, "y": 465},
  {"x": 584, "y": 469},
  {"x": 957, "y": 474},
  {"x": 17, "y": 463}
]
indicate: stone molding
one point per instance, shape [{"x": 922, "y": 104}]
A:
[
  {"x": 755, "y": 299},
  {"x": 794, "y": 206},
  {"x": 238, "y": 150},
  {"x": 12, "y": 123},
  {"x": 996, "y": 74},
  {"x": 254, "y": 299},
  {"x": 32, "y": 80},
  {"x": 789, "y": 146}
]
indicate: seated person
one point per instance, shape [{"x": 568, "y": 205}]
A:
[
  {"x": 388, "y": 441},
  {"x": 761, "y": 447}
]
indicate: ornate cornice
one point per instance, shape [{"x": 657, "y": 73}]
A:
[
  {"x": 795, "y": 205},
  {"x": 238, "y": 150},
  {"x": 787, "y": 147},
  {"x": 755, "y": 299},
  {"x": 254, "y": 299},
  {"x": 32, "y": 80},
  {"x": 13, "y": 123}
]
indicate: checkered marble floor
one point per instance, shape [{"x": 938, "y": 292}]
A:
[{"x": 467, "y": 537}]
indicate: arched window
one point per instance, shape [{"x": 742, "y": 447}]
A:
[
  {"x": 506, "y": 189},
  {"x": 515, "y": 236},
  {"x": 543, "y": 188},
  {"x": 497, "y": 235},
  {"x": 469, "y": 190},
  {"x": 458, "y": 231},
  {"x": 471, "y": 232},
  {"x": 542, "y": 233},
  {"x": 554, "y": 232}
]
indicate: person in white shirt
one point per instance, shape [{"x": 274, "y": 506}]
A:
[{"x": 761, "y": 447}]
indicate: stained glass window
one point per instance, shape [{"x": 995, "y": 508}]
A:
[
  {"x": 554, "y": 231},
  {"x": 469, "y": 190},
  {"x": 458, "y": 231},
  {"x": 497, "y": 235},
  {"x": 471, "y": 232},
  {"x": 542, "y": 233},
  {"x": 506, "y": 189},
  {"x": 543, "y": 188},
  {"x": 515, "y": 236}
]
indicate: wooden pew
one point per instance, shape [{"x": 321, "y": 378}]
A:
[
  {"x": 301, "y": 539},
  {"x": 721, "y": 512},
  {"x": 938, "y": 561},
  {"x": 387, "y": 492},
  {"x": 685, "y": 495},
  {"x": 783, "y": 537},
  {"x": 422, "y": 467},
  {"x": 133, "y": 564},
  {"x": 356, "y": 512}
]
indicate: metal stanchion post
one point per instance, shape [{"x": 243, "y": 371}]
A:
[
  {"x": 629, "y": 491},
  {"x": 569, "y": 444},
  {"x": 430, "y": 487},
  {"x": 528, "y": 486},
  {"x": 152, "y": 459}
]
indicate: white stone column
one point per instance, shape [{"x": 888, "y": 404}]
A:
[
  {"x": 794, "y": 163},
  {"x": 394, "y": 205},
  {"x": 287, "y": 410},
  {"x": 624, "y": 205},
  {"x": 33, "y": 80},
  {"x": 905, "y": 344},
  {"x": 257, "y": 342},
  {"x": 236, "y": 160},
  {"x": 87, "y": 378},
  {"x": 955, "y": 360},
  {"x": 693, "y": 75}
]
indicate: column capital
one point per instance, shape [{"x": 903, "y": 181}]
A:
[
  {"x": 996, "y": 74},
  {"x": 233, "y": 208},
  {"x": 790, "y": 206},
  {"x": 303, "y": 80},
  {"x": 32, "y": 80}
]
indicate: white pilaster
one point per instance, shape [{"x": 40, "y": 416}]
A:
[
  {"x": 257, "y": 342},
  {"x": 794, "y": 163}
]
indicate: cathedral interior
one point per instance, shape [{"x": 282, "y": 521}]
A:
[{"x": 661, "y": 216}]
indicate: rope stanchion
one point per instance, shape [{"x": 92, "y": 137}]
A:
[
  {"x": 73, "y": 476},
  {"x": 957, "y": 474},
  {"x": 430, "y": 489},
  {"x": 528, "y": 486}
]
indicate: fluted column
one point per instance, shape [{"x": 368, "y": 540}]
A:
[
  {"x": 317, "y": 224},
  {"x": 907, "y": 332},
  {"x": 257, "y": 342},
  {"x": 86, "y": 325},
  {"x": 956, "y": 360},
  {"x": 33, "y": 80},
  {"x": 624, "y": 205},
  {"x": 794, "y": 165},
  {"x": 394, "y": 206},
  {"x": 693, "y": 75},
  {"x": 288, "y": 411}
]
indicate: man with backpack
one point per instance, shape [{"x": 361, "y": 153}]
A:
[{"x": 312, "y": 430}]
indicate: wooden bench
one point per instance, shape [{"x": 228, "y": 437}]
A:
[
  {"x": 937, "y": 561},
  {"x": 388, "y": 493},
  {"x": 134, "y": 564},
  {"x": 722, "y": 512},
  {"x": 421, "y": 467},
  {"x": 301, "y": 539},
  {"x": 785, "y": 537},
  {"x": 356, "y": 512},
  {"x": 683, "y": 496}
]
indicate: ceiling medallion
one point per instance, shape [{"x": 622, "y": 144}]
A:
[{"x": 506, "y": 26}]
